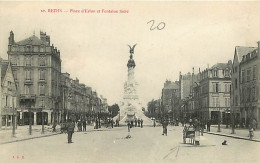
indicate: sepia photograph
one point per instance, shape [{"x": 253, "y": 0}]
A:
[{"x": 130, "y": 82}]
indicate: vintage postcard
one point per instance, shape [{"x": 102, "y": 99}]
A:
[{"x": 129, "y": 82}]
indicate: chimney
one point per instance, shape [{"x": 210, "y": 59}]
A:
[
  {"x": 229, "y": 62},
  {"x": 11, "y": 38},
  {"x": 43, "y": 36}
]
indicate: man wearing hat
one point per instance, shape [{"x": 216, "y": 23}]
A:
[{"x": 71, "y": 127}]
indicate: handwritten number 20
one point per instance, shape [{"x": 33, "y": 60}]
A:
[{"x": 160, "y": 26}]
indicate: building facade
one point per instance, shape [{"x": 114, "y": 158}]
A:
[
  {"x": 8, "y": 94},
  {"x": 37, "y": 69},
  {"x": 170, "y": 94},
  {"x": 249, "y": 86},
  {"x": 240, "y": 113},
  {"x": 215, "y": 85}
]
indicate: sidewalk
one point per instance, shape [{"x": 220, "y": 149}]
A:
[
  {"x": 240, "y": 133},
  {"x": 22, "y": 133}
]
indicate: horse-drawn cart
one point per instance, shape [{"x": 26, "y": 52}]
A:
[{"x": 189, "y": 132}]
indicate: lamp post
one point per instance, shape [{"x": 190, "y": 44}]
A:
[
  {"x": 219, "y": 114},
  {"x": 42, "y": 122},
  {"x": 13, "y": 120},
  {"x": 232, "y": 114}
]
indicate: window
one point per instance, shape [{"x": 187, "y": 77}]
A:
[
  {"x": 227, "y": 73},
  {"x": 42, "y": 104},
  {"x": 42, "y": 74},
  {"x": 243, "y": 76},
  {"x": 42, "y": 49},
  {"x": 14, "y": 61},
  {"x": 42, "y": 89},
  {"x": 235, "y": 69},
  {"x": 28, "y": 75},
  {"x": 213, "y": 102},
  {"x": 15, "y": 74},
  {"x": 26, "y": 89},
  {"x": 216, "y": 87},
  {"x": 248, "y": 93},
  {"x": 42, "y": 61},
  {"x": 243, "y": 94},
  {"x": 254, "y": 72},
  {"x": 227, "y": 102},
  {"x": 248, "y": 73},
  {"x": 217, "y": 102},
  {"x": 28, "y": 61},
  {"x": 215, "y": 73},
  {"x": 253, "y": 94},
  {"x": 6, "y": 100},
  {"x": 236, "y": 100},
  {"x": 235, "y": 83}
]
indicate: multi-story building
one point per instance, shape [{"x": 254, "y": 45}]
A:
[
  {"x": 237, "y": 109},
  {"x": 104, "y": 104},
  {"x": 187, "y": 83},
  {"x": 36, "y": 68},
  {"x": 215, "y": 84},
  {"x": 170, "y": 94},
  {"x": 249, "y": 85},
  {"x": 8, "y": 94}
]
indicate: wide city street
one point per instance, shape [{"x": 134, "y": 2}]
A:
[{"x": 143, "y": 145}]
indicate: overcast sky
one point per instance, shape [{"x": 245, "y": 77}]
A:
[{"x": 94, "y": 46}]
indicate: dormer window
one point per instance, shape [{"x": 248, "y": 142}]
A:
[
  {"x": 215, "y": 73},
  {"x": 226, "y": 73}
]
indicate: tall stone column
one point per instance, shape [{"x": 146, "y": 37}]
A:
[
  {"x": 49, "y": 117},
  {"x": 34, "y": 118}
]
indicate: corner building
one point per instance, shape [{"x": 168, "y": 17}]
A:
[{"x": 37, "y": 69}]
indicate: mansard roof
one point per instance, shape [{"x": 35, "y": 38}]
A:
[
  {"x": 33, "y": 40},
  {"x": 221, "y": 66},
  {"x": 171, "y": 86},
  {"x": 243, "y": 50}
]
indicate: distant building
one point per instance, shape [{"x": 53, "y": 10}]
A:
[
  {"x": 186, "y": 104},
  {"x": 170, "y": 94},
  {"x": 246, "y": 94},
  {"x": 8, "y": 94},
  {"x": 37, "y": 69},
  {"x": 215, "y": 84}
]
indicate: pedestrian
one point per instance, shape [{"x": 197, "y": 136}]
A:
[
  {"x": 79, "y": 126},
  {"x": 141, "y": 123},
  {"x": 128, "y": 125},
  {"x": 138, "y": 122},
  {"x": 208, "y": 125},
  {"x": 54, "y": 127},
  {"x": 96, "y": 127},
  {"x": 202, "y": 126},
  {"x": 84, "y": 125},
  {"x": 112, "y": 123},
  {"x": 164, "y": 124},
  {"x": 132, "y": 124},
  {"x": 135, "y": 122},
  {"x": 71, "y": 127},
  {"x": 154, "y": 124}
]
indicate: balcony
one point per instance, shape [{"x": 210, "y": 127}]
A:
[{"x": 27, "y": 97}]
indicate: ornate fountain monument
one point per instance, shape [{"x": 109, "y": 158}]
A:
[{"x": 130, "y": 107}]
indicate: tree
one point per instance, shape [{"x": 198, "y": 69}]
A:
[{"x": 113, "y": 110}]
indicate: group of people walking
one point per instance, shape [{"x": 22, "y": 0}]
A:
[{"x": 82, "y": 125}]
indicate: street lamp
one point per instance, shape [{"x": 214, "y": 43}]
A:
[{"x": 13, "y": 120}]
